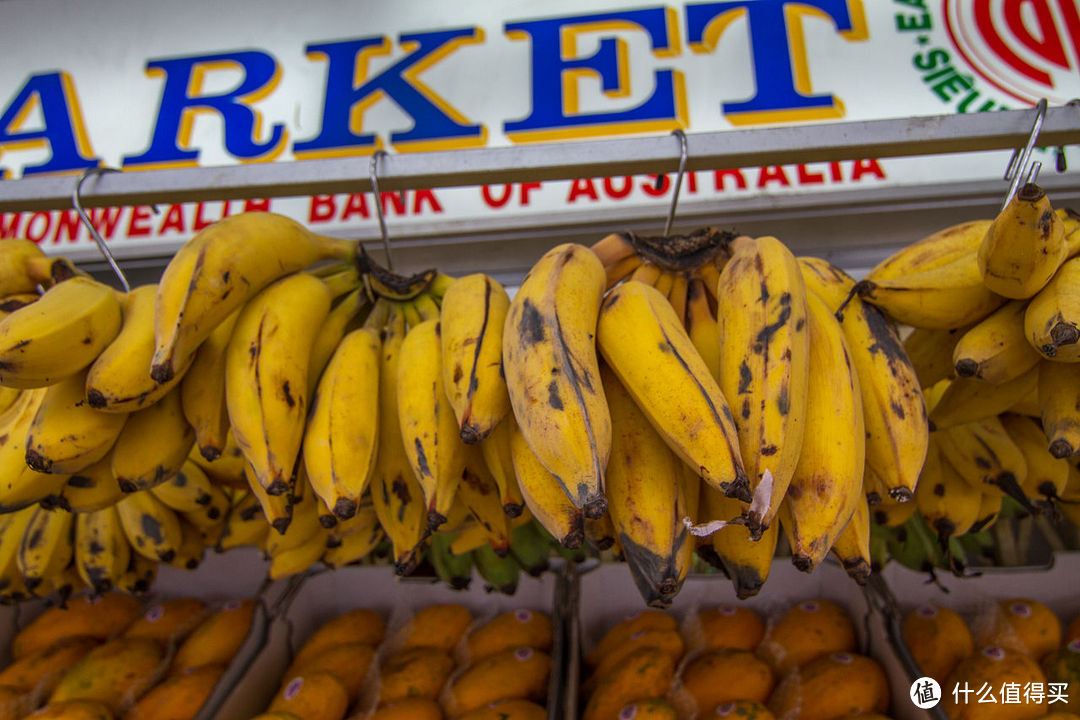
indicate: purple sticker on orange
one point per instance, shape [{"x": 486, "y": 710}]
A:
[
  {"x": 523, "y": 616},
  {"x": 233, "y": 605},
  {"x": 155, "y": 613},
  {"x": 808, "y": 606},
  {"x": 1020, "y": 608},
  {"x": 628, "y": 712},
  {"x": 523, "y": 653},
  {"x": 727, "y": 610},
  {"x": 293, "y": 688},
  {"x": 1074, "y": 646},
  {"x": 725, "y": 709},
  {"x": 842, "y": 658},
  {"x": 927, "y": 611},
  {"x": 994, "y": 653}
]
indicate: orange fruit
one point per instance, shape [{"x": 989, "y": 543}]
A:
[
  {"x": 992, "y": 666},
  {"x": 831, "y": 687},
  {"x": 356, "y": 626},
  {"x": 170, "y": 620},
  {"x": 728, "y": 626},
  {"x": 1063, "y": 666},
  {"x": 348, "y": 663},
  {"x": 938, "y": 639},
  {"x": 508, "y": 710},
  {"x": 807, "y": 631},
  {"x": 666, "y": 640},
  {"x": 437, "y": 626},
  {"x": 517, "y": 628},
  {"x": 742, "y": 710},
  {"x": 1024, "y": 625},
  {"x": 409, "y": 709},
  {"x": 616, "y": 636},
  {"x": 1073, "y": 633},
  {"x": 720, "y": 676},
  {"x": 416, "y": 672},
  {"x": 649, "y": 709},
  {"x": 318, "y": 696}
]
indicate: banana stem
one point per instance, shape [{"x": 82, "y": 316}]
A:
[
  {"x": 343, "y": 282},
  {"x": 1024, "y": 527},
  {"x": 1006, "y": 544},
  {"x": 1050, "y": 534}
]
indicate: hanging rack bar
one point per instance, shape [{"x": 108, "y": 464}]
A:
[{"x": 628, "y": 156}]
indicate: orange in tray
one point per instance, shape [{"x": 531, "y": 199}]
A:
[
  {"x": 437, "y": 626},
  {"x": 518, "y": 628},
  {"x": 168, "y": 621},
  {"x": 832, "y": 686},
  {"x": 44, "y": 668},
  {"x": 101, "y": 618},
  {"x": 410, "y": 709},
  {"x": 646, "y": 673},
  {"x": 993, "y": 666},
  {"x": 667, "y": 641},
  {"x": 1024, "y": 625},
  {"x": 111, "y": 673},
  {"x": 1063, "y": 666},
  {"x": 508, "y": 710},
  {"x": 318, "y": 696},
  {"x": 730, "y": 626},
  {"x": 74, "y": 710},
  {"x": 938, "y": 639},
  {"x": 742, "y": 710},
  {"x": 649, "y": 709},
  {"x": 520, "y": 674},
  {"x": 616, "y": 636},
  {"x": 217, "y": 639},
  {"x": 356, "y": 626},
  {"x": 416, "y": 672},
  {"x": 721, "y": 676},
  {"x": 807, "y": 631},
  {"x": 348, "y": 663},
  {"x": 178, "y": 696}
]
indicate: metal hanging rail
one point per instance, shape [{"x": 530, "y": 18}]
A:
[{"x": 929, "y": 135}]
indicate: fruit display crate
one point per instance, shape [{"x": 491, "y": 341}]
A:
[
  {"x": 221, "y": 578},
  {"x": 970, "y": 596},
  {"x": 608, "y": 595},
  {"x": 321, "y": 596}
]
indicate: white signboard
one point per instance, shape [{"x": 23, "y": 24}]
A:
[{"x": 141, "y": 85}]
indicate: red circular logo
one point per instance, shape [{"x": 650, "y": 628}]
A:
[{"x": 1029, "y": 49}]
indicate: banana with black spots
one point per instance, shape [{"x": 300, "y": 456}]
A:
[
  {"x": 500, "y": 463},
  {"x": 996, "y": 350},
  {"x": 202, "y": 391},
  {"x": 266, "y": 375},
  {"x": 94, "y": 488},
  {"x": 102, "y": 550},
  {"x": 1024, "y": 246},
  {"x": 544, "y": 496},
  {"x": 20, "y": 485},
  {"x": 1052, "y": 318},
  {"x": 966, "y": 400},
  {"x": 553, "y": 375},
  {"x": 1059, "y": 401},
  {"x": 154, "y": 444},
  {"x": 764, "y": 362},
  {"x": 644, "y": 343},
  {"x": 47, "y": 547},
  {"x": 151, "y": 526}
]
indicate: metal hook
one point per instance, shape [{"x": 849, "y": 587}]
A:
[
  {"x": 76, "y": 200},
  {"x": 1018, "y": 168},
  {"x": 678, "y": 179},
  {"x": 373, "y": 172}
]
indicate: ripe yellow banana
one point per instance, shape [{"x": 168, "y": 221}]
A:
[
  {"x": 151, "y": 526},
  {"x": 989, "y": 510},
  {"x": 59, "y": 335},
  {"x": 891, "y": 513},
  {"x": 266, "y": 374},
  {"x": 949, "y": 504},
  {"x": 702, "y": 327},
  {"x": 621, "y": 270},
  {"x": 543, "y": 494},
  {"x": 102, "y": 550},
  {"x": 20, "y": 485},
  {"x": 827, "y": 482},
  {"x": 305, "y": 521},
  {"x": 397, "y": 495},
  {"x": 931, "y": 353},
  {"x": 67, "y": 435},
  {"x": 966, "y": 400},
  {"x": 12, "y": 529},
  {"x": 933, "y": 251},
  {"x": 190, "y": 553},
  {"x": 244, "y": 525},
  {"x": 747, "y": 562},
  {"x": 1024, "y": 245},
  {"x": 47, "y": 546},
  {"x": 229, "y": 468},
  {"x": 946, "y": 297},
  {"x": 852, "y": 546},
  {"x": 651, "y": 354},
  {"x": 1052, "y": 320},
  {"x": 601, "y": 533},
  {"x": 219, "y": 270},
  {"x": 364, "y": 518},
  {"x": 643, "y": 483},
  {"x": 15, "y": 276},
  {"x": 480, "y": 495},
  {"x": 91, "y": 489},
  {"x": 354, "y": 547},
  {"x": 500, "y": 463},
  {"x": 140, "y": 575},
  {"x": 894, "y": 413},
  {"x": 1059, "y": 400},
  {"x": 153, "y": 445},
  {"x": 277, "y": 509},
  {"x": 188, "y": 490},
  {"x": 996, "y": 350},
  {"x": 202, "y": 391},
  {"x": 764, "y": 362},
  {"x": 1046, "y": 475},
  {"x": 342, "y": 432},
  {"x": 339, "y": 321},
  {"x": 473, "y": 315},
  {"x": 118, "y": 380},
  {"x": 982, "y": 452},
  {"x": 552, "y": 373},
  {"x": 430, "y": 431}
]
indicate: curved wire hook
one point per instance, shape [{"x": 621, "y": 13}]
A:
[
  {"x": 374, "y": 174},
  {"x": 1018, "y": 169},
  {"x": 678, "y": 179},
  {"x": 76, "y": 200}
]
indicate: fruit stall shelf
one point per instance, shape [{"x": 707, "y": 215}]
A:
[{"x": 876, "y": 220}]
